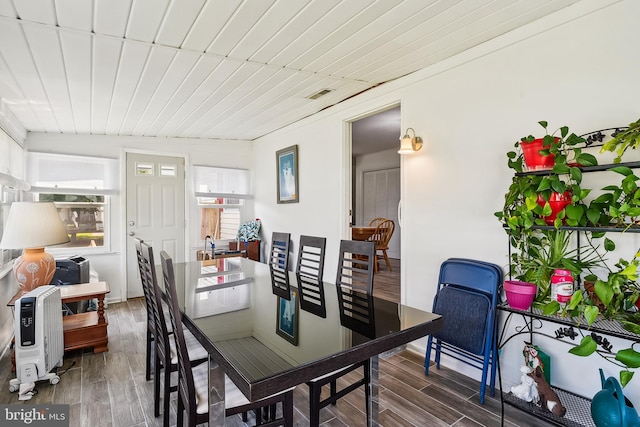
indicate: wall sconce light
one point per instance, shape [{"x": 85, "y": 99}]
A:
[{"x": 408, "y": 144}]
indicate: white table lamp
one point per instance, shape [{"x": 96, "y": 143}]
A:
[{"x": 32, "y": 226}]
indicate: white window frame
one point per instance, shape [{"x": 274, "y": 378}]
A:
[
  {"x": 102, "y": 184},
  {"x": 211, "y": 183}
]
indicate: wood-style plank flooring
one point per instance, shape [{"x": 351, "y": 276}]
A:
[{"x": 109, "y": 389}]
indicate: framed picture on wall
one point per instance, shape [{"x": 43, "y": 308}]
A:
[
  {"x": 287, "y": 174},
  {"x": 287, "y": 318}
]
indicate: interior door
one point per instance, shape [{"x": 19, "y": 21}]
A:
[
  {"x": 381, "y": 195},
  {"x": 155, "y": 210}
]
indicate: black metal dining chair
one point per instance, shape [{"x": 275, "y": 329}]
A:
[
  {"x": 354, "y": 284},
  {"x": 279, "y": 264},
  {"x": 309, "y": 272},
  {"x": 193, "y": 386},
  {"x": 165, "y": 352}
]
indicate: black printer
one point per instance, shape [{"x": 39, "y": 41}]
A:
[{"x": 70, "y": 271}]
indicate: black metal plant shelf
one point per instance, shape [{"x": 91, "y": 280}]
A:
[
  {"x": 595, "y": 168},
  {"x": 633, "y": 228},
  {"x": 601, "y": 325},
  {"x": 578, "y": 409}
]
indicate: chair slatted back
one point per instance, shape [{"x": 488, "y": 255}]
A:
[
  {"x": 383, "y": 233},
  {"x": 375, "y": 221},
  {"x": 355, "y": 265},
  {"x": 186, "y": 385},
  {"x": 143, "y": 279},
  {"x": 309, "y": 272},
  {"x": 160, "y": 322},
  {"x": 279, "y": 264}
]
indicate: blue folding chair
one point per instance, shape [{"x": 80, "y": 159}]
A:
[{"x": 467, "y": 297}]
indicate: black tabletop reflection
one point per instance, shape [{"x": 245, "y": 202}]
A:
[{"x": 232, "y": 304}]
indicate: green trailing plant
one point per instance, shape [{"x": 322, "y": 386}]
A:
[
  {"x": 619, "y": 205},
  {"x": 623, "y": 140}
]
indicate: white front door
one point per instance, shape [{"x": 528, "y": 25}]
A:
[
  {"x": 381, "y": 195},
  {"x": 155, "y": 210}
]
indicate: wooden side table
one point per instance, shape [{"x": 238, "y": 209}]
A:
[
  {"x": 83, "y": 330},
  {"x": 88, "y": 329}
]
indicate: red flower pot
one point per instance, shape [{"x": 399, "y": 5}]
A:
[
  {"x": 557, "y": 202},
  {"x": 532, "y": 157}
]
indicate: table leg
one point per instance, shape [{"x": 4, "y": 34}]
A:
[
  {"x": 374, "y": 400},
  {"x": 101, "y": 319},
  {"x": 216, "y": 394}
]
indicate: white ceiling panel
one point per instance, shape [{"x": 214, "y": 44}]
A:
[
  {"x": 40, "y": 11},
  {"x": 7, "y": 9},
  {"x": 269, "y": 24},
  {"x": 238, "y": 25},
  {"x": 179, "y": 69},
  {"x": 76, "y": 50},
  {"x": 131, "y": 66},
  {"x": 233, "y": 69},
  {"x": 47, "y": 54},
  {"x": 178, "y": 20},
  {"x": 214, "y": 109},
  {"x": 327, "y": 24},
  {"x": 157, "y": 64},
  {"x": 213, "y": 90},
  {"x": 334, "y": 42},
  {"x": 201, "y": 80},
  {"x": 111, "y": 17},
  {"x": 106, "y": 57},
  {"x": 293, "y": 29},
  {"x": 209, "y": 23},
  {"x": 17, "y": 55},
  {"x": 145, "y": 19},
  {"x": 13, "y": 98},
  {"x": 75, "y": 14}
]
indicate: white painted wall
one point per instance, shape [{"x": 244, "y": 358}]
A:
[
  {"x": 574, "y": 68},
  {"x": 112, "y": 265}
]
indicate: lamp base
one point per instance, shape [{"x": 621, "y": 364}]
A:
[{"x": 34, "y": 268}]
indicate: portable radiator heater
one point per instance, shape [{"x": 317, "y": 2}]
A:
[{"x": 39, "y": 342}]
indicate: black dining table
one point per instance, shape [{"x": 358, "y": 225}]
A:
[{"x": 266, "y": 344}]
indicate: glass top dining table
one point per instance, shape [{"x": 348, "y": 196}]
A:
[{"x": 266, "y": 344}]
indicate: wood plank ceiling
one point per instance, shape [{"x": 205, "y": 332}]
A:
[{"x": 230, "y": 69}]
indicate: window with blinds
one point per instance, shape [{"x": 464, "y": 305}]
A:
[
  {"x": 220, "y": 193},
  {"x": 80, "y": 187}
]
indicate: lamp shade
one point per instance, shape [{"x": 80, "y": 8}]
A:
[
  {"x": 33, "y": 225},
  {"x": 406, "y": 146}
]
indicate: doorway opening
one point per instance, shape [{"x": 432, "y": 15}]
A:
[{"x": 376, "y": 187}]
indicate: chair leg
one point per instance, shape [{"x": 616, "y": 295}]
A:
[
  {"x": 367, "y": 387},
  {"x": 148, "y": 361},
  {"x": 287, "y": 409},
  {"x": 314, "y": 405},
  {"x": 180, "y": 415},
  {"x": 333, "y": 388},
  {"x": 387, "y": 260},
  {"x": 156, "y": 386},
  {"x": 167, "y": 394}
]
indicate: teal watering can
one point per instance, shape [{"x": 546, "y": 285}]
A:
[{"x": 609, "y": 407}]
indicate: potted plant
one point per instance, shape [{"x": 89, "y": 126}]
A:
[{"x": 530, "y": 196}]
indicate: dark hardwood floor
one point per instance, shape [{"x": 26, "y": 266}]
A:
[
  {"x": 109, "y": 389},
  {"x": 386, "y": 283}
]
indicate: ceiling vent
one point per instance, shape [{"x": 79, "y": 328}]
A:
[{"x": 319, "y": 94}]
